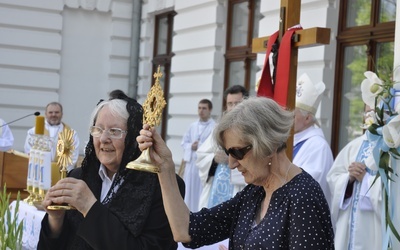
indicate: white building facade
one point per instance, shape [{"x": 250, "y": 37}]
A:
[{"x": 75, "y": 52}]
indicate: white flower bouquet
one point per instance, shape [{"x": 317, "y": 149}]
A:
[{"x": 383, "y": 127}]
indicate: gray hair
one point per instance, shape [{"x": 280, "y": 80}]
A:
[
  {"x": 258, "y": 121},
  {"x": 117, "y": 108},
  {"x": 55, "y": 104},
  {"x": 304, "y": 113}
]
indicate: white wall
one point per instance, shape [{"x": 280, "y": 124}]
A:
[
  {"x": 197, "y": 67},
  {"x": 30, "y": 60},
  {"x": 85, "y": 65},
  {"x": 69, "y": 51}
]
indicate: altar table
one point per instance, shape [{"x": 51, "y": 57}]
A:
[{"x": 31, "y": 226}]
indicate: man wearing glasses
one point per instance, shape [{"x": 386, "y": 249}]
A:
[{"x": 219, "y": 182}]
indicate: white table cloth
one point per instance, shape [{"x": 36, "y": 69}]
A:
[{"x": 32, "y": 219}]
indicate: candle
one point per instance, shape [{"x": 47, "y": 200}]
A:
[{"x": 39, "y": 126}]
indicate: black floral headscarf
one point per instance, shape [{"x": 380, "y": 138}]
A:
[
  {"x": 141, "y": 185},
  {"x": 134, "y": 125}
]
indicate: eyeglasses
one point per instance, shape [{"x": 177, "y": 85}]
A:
[
  {"x": 238, "y": 153},
  {"x": 114, "y": 133}
]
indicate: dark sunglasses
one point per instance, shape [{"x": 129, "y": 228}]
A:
[{"x": 238, "y": 153}]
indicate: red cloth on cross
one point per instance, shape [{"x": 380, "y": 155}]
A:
[{"x": 278, "y": 90}]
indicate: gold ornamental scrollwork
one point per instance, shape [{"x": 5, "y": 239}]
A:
[
  {"x": 64, "y": 149},
  {"x": 152, "y": 114},
  {"x": 154, "y": 104}
]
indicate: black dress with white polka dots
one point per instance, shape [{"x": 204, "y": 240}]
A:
[{"x": 298, "y": 217}]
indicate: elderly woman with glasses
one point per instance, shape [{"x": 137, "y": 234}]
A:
[
  {"x": 114, "y": 207},
  {"x": 282, "y": 207}
]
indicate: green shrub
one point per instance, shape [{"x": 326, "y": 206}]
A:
[{"x": 10, "y": 230}]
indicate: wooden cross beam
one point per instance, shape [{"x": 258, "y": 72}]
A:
[{"x": 289, "y": 17}]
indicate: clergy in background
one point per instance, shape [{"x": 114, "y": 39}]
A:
[
  {"x": 311, "y": 151},
  {"x": 220, "y": 183},
  {"x": 6, "y": 136},
  {"x": 53, "y": 127},
  {"x": 192, "y": 140}
]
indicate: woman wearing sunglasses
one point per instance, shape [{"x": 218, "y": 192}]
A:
[{"x": 283, "y": 207}]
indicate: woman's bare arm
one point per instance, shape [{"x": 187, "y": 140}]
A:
[{"x": 175, "y": 207}]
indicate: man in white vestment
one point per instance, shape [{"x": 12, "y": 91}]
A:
[
  {"x": 356, "y": 206},
  {"x": 6, "y": 136},
  {"x": 220, "y": 183},
  {"x": 191, "y": 141},
  {"x": 54, "y": 126},
  {"x": 311, "y": 151}
]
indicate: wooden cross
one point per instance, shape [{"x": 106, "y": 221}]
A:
[{"x": 289, "y": 17}]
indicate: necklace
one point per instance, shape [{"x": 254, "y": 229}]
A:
[
  {"x": 259, "y": 212},
  {"x": 284, "y": 181},
  {"x": 287, "y": 172}
]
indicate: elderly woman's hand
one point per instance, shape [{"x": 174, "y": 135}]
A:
[
  {"x": 159, "y": 152},
  {"x": 73, "y": 192},
  {"x": 55, "y": 217}
]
